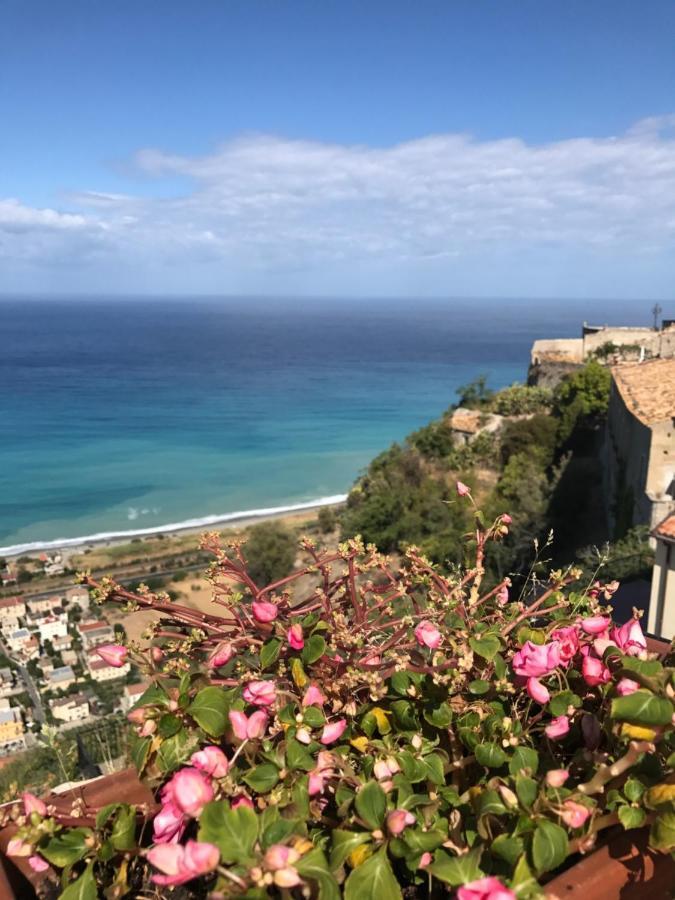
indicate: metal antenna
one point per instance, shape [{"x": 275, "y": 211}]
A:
[{"x": 656, "y": 312}]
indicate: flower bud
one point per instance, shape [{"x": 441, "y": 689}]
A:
[{"x": 399, "y": 820}]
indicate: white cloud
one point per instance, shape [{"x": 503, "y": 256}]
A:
[{"x": 262, "y": 203}]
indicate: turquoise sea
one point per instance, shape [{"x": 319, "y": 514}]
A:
[{"x": 128, "y": 414}]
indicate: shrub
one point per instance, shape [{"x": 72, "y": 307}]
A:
[
  {"x": 327, "y": 520},
  {"x": 537, "y": 435},
  {"x": 522, "y": 399},
  {"x": 271, "y": 549},
  {"x": 581, "y": 399},
  {"x": 386, "y": 731}
]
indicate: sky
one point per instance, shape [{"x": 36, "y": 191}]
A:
[{"x": 338, "y": 147}]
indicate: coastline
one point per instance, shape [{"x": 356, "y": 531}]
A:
[{"x": 189, "y": 526}]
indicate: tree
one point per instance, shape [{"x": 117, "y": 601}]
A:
[
  {"x": 327, "y": 520},
  {"x": 271, "y": 551},
  {"x": 476, "y": 394},
  {"x": 536, "y": 435},
  {"x": 582, "y": 399}
]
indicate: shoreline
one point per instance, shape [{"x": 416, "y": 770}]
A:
[{"x": 241, "y": 517}]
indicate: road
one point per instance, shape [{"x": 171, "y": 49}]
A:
[{"x": 38, "y": 709}]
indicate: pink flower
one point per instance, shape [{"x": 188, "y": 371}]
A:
[
  {"x": 183, "y": 863},
  {"x": 428, "y": 635},
  {"x": 278, "y": 856},
  {"x": 333, "y": 731},
  {"x": 595, "y": 624},
  {"x": 114, "y": 654},
  {"x": 211, "y": 760},
  {"x": 558, "y": 728},
  {"x": 248, "y": 727},
  {"x": 425, "y": 860},
  {"x": 538, "y": 691},
  {"x": 506, "y": 518},
  {"x": 398, "y": 820},
  {"x": 568, "y": 639},
  {"x": 502, "y": 595},
  {"x": 384, "y": 769},
  {"x": 264, "y": 611},
  {"x": 295, "y": 637},
  {"x": 242, "y": 801},
  {"x": 17, "y": 847},
  {"x": 573, "y": 814},
  {"x": 221, "y": 655},
  {"x": 37, "y": 863},
  {"x": 462, "y": 489},
  {"x": 323, "y": 771},
  {"x": 600, "y": 644},
  {"x": 489, "y": 888},
  {"x": 168, "y": 825},
  {"x": 629, "y": 638},
  {"x": 595, "y": 672},
  {"x": 313, "y": 697},
  {"x": 149, "y": 727},
  {"x": 627, "y": 686},
  {"x": 189, "y": 790},
  {"x": 536, "y": 659},
  {"x": 32, "y": 804},
  {"x": 555, "y": 778},
  {"x": 262, "y": 693}
]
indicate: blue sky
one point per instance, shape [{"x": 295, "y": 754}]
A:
[{"x": 518, "y": 147}]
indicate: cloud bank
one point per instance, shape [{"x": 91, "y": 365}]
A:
[{"x": 266, "y": 204}]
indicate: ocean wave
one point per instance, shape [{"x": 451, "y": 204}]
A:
[{"x": 60, "y": 543}]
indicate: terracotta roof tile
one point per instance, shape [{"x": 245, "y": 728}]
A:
[
  {"x": 666, "y": 529},
  {"x": 648, "y": 389}
]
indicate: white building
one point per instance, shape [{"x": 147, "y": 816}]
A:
[
  {"x": 661, "y": 621},
  {"x": 41, "y": 606},
  {"x": 95, "y": 632},
  {"x": 70, "y": 709},
  {"x": 51, "y": 628},
  {"x": 132, "y": 694},
  {"x": 23, "y": 642},
  {"x": 61, "y": 678},
  {"x": 69, "y": 657},
  {"x": 78, "y": 596},
  {"x": 11, "y": 609},
  {"x": 62, "y": 643}
]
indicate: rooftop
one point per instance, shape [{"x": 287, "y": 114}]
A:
[
  {"x": 648, "y": 389},
  {"x": 8, "y": 602},
  {"x": 92, "y": 626},
  {"x": 666, "y": 529},
  {"x": 467, "y": 420},
  {"x": 73, "y": 700}
]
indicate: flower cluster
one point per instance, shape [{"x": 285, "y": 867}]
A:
[{"x": 390, "y": 729}]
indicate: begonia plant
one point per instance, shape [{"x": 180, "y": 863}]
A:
[{"x": 374, "y": 730}]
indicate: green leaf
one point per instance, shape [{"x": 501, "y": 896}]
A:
[
  {"x": 438, "y": 716},
  {"x": 490, "y": 802},
  {"x": 82, "y": 889},
  {"x": 642, "y": 708},
  {"x": 269, "y": 652},
  {"x": 123, "y": 836},
  {"x": 373, "y": 880},
  {"x": 278, "y": 831},
  {"x": 154, "y": 695},
  {"x": 169, "y": 725},
  {"x": 297, "y": 756},
  {"x": 371, "y": 803},
  {"x": 343, "y": 842},
  {"x": 139, "y": 751},
  {"x": 524, "y": 760},
  {"x": 174, "y": 750},
  {"x": 633, "y": 789},
  {"x": 524, "y": 883},
  {"x": 527, "y": 790},
  {"x": 67, "y": 847},
  {"x": 549, "y": 846},
  {"x": 479, "y": 687},
  {"x": 400, "y": 682},
  {"x": 487, "y": 646},
  {"x": 209, "y": 710},
  {"x": 262, "y": 778},
  {"x": 434, "y": 767},
  {"x": 662, "y": 833},
  {"x": 313, "y": 717},
  {"x": 559, "y": 703},
  {"x": 315, "y": 647},
  {"x": 105, "y": 812},
  {"x": 233, "y": 831},
  {"x": 405, "y": 715},
  {"x": 490, "y": 755},
  {"x": 314, "y": 867},
  {"x": 648, "y": 667},
  {"x": 507, "y": 848},
  {"x": 631, "y": 816},
  {"x": 456, "y": 870},
  {"x": 423, "y": 841}
]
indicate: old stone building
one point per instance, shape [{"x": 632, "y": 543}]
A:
[{"x": 640, "y": 444}]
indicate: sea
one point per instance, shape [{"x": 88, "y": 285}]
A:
[{"x": 124, "y": 416}]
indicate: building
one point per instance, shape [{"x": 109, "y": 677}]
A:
[
  {"x": 51, "y": 628},
  {"x": 46, "y": 666},
  {"x": 9, "y": 626},
  {"x": 24, "y": 643},
  {"x": 62, "y": 643},
  {"x": 70, "y": 709},
  {"x": 95, "y": 632},
  {"x": 45, "y": 606},
  {"x": 52, "y": 563},
  {"x": 69, "y": 657},
  {"x": 78, "y": 596},
  {"x": 640, "y": 444},
  {"x": 61, "y": 678},
  {"x": 9, "y": 575},
  {"x": 661, "y": 621},
  {"x": 6, "y": 682},
  {"x": 100, "y": 670},
  {"x": 11, "y": 728},
  {"x": 132, "y": 694},
  {"x": 11, "y": 609},
  {"x": 467, "y": 424}
]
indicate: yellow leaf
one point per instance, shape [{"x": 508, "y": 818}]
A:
[
  {"x": 637, "y": 732},
  {"x": 359, "y": 855},
  {"x": 659, "y": 795},
  {"x": 360, "y": 743},
  {"x": 299, "y": 677},
  {"x": 380, "y": 716}
]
